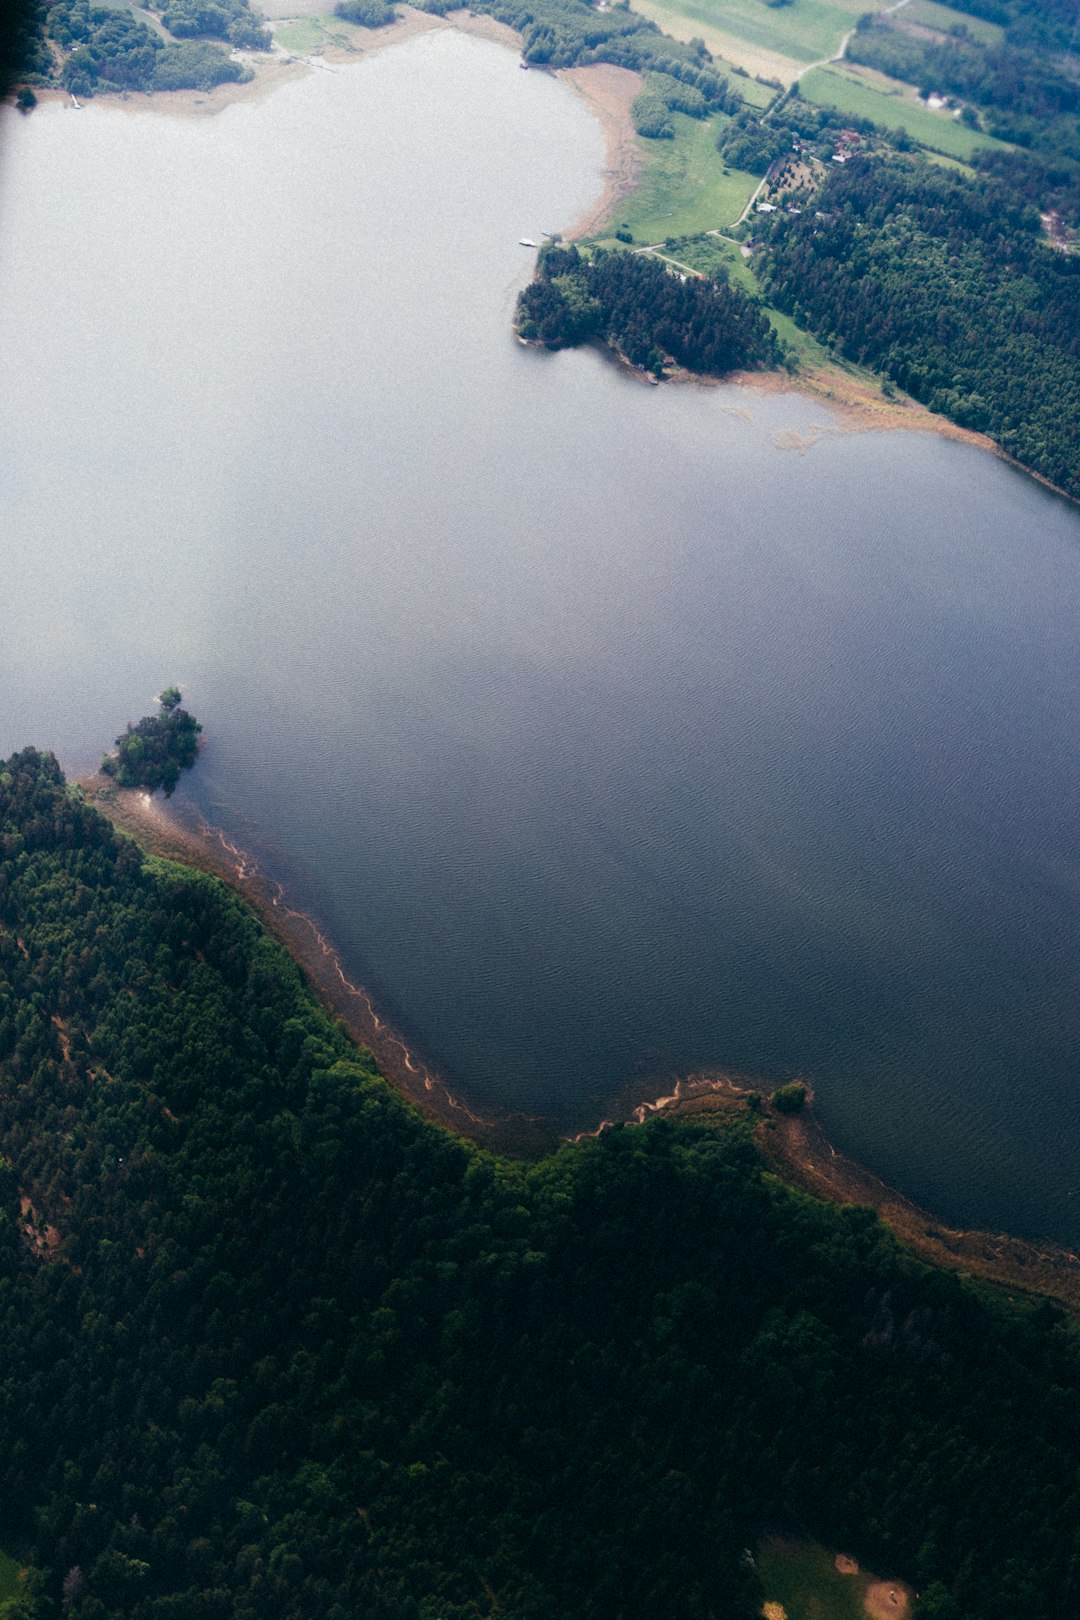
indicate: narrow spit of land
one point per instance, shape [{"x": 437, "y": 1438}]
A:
[
  {"x": 797, "y": 1148},
  {"x": 795, "y": 1145}
]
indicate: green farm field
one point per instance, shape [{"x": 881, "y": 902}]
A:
[
  {"x": 774, "y": 41},
  {"x": 849, "y": 91},
  {"x": 684, "y": 189}
]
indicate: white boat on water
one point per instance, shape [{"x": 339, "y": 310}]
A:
[{"x": 527, "y": 241}]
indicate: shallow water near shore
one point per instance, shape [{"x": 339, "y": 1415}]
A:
[{"x": 608, "y": 735}]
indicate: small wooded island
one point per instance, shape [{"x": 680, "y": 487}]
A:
[
  {"x": 646, "y": 313},
  {"x": 152, "y": 753}
]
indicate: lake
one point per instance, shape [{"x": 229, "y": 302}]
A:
[{"x": 611, "y": 732}]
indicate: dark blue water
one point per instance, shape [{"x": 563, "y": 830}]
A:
[{"x": 610, "y": 738}]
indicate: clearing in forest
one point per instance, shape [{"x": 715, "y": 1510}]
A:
[{"x": 805, "y": 1582}]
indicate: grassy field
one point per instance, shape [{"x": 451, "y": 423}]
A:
[
  {"x": 852, "y": 92},
  {"x": 753, "y": 93},
  {"x": 10, "y": 1582},
  {"x": 803, "y": 1579},
  {"x": 931, "y": 15},
  {"x": 773, "y": 41},
  {"x": 684, "y": 189},
  {"x": 944, "y": 162},
  {"x": 805, "y": 31},
  {"x": 310, "y": 36}
]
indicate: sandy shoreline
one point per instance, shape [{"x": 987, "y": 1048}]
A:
[
  {"x": 609, "y": 90},
  {"x": 795, "y": 1146},
  {"x": 860, "y": 407},
  {"x": 185, "y": 837}
]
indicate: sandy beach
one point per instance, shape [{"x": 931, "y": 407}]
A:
[{"x": 609, "y": 91}]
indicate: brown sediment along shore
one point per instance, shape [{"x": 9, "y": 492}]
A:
[
  {"x": 609, "y": 90},
  {"x": 794, "y": 1145},
  {"x": 182, "y": 835},
  {"x": 797, "y": 1148},
  {"x": 860, "y": 407}
]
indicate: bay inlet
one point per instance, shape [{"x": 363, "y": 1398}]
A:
[{"x": 610, "y": 733}]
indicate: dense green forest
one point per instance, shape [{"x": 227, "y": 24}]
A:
[
  {"x": 24, "y": 55},
  {"x": 152, "y": 753},
  {"x": 272, "y": 1346},
  {"x": 108, "y": 48},
  {"x": 231, "y": 20},
  {"x": 1044, "y": 24},
  {"x": 943, "y": 283},
  {"x": 644, "y": 312},
  {"x": 367, "y": 13}
]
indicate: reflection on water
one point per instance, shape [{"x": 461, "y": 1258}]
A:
[{"x": 611, "y": 733}]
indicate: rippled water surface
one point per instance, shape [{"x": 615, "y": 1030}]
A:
[{"x": 610, "y": 734}]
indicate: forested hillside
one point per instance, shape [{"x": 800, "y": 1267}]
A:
[{"x": 273, "y": 1346}]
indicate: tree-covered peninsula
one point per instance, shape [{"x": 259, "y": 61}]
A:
[
  {"x": 152, "y": 753},
  {"x": 273, "y": 1347},
  {"x": 89, "y": 49},
  {"x": 646, "y": 313}
]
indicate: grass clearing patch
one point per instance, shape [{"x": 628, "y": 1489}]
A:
[
  {"x": 708, "y": 254},
  {"x": 11, "y": 1578},
  {"x": 944, "y": 162},
  {"x": 310, "y": 36},
  {"x": 850, "y": 92},
  {"x": 753, "y": 93},
  {"x": 804, "y": 1580},
  {"x": 931, "y": 15},
  {"x": 683, "y": 189},
  {"x": 804, "y": 32}
]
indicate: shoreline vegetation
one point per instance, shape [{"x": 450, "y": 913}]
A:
[{"x": 794, "y": 1144}]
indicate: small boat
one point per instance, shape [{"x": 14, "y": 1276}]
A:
[{"x": 527, "y": 241}]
